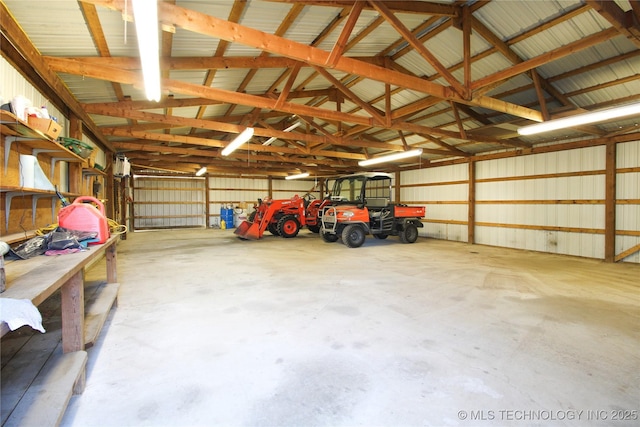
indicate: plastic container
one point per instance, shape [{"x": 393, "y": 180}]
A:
[
  {"x": 82, "y": 216},
  {"x": 239, "y": 216},
  {"x": 226, "y": 215},
  {"x": 81, "y": 148}
]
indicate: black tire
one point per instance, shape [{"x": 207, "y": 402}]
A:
[
  {"x": 288, "y": 226},
  {"x": 273, "y": 228},
  {"x": 381, "y": 236},
  {"x": 252, "y": 216},
  {"x": 409, "y": 234},
  {"x": 329, "y": 238},
  {"x": 353, "y": 236},
  {"x": 314, "y": 228}
]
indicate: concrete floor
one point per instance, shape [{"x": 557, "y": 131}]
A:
[{"x": 211, "y": 330}]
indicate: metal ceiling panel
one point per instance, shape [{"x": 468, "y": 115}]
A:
[
  {"x": 57, "y": 29},
  {"x": 508, "y": 19}
]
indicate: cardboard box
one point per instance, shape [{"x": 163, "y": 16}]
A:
[{"x": 50, "y": 128}]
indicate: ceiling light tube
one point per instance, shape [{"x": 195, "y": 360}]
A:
[
  {"x": 391, "y": 157},
  {"x": 145, "y": 13},
  {"x": 243, "y": 137},
  {"x": 581, "y": 119},
  {"x": 298, "y": 176},
  {"x": 201, "y": 171},
  {"x": 289, "y": 129}
]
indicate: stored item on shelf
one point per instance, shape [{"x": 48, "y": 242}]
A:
[
  {"x": 19, "y": 105},
  {"x": 81, "y": 216},
  {"x": 48, "y": 127},
  {"x": 81, "y": 148}
]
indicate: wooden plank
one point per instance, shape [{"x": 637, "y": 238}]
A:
[
  {"x": 72, "y": 303},
  {"x": 46, "y": 400},
  {"x": 112, "y": 264},
  {"x": 610, "y": 204},
  {"x": 632, "y": 250},
  {"x": 38, "y": 278},
  {"x": 97, "y": 310},
  {"x": 20, "y": 372}
]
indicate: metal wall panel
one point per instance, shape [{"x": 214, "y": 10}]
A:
[
  {"x": 166, "y": 202},
  {"x": 551, "y": 202},
  {"x": 444, "y": 193},
  {"x": 628, "y": 196},
  {"x": 239, "y": 193}
]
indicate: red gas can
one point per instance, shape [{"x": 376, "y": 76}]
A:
[{"x": 82, "y": 216}]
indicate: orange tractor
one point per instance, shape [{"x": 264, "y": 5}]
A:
[
  {"x": 361, "y": 204},
  {"x": 281, "y": 217}
]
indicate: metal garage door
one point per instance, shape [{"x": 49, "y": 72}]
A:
[{"x": 168, "y": 202}]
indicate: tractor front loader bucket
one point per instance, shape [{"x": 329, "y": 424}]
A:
[{"x": 248, "y": 230}]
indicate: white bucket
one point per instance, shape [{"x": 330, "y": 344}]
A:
[{"x": 239, "y": 215}]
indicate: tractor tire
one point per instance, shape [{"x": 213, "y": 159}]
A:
[
  {"x": 409, "y": 234},
  {"x": 252, "y": 216},
  {"x": 329, "y": 238},
  {"x": 273, "y": 228},
  {"x": 381, "y": 236},
  {"x": 314, "y": 228},
  {"x": 288, "y": 226},
  {"x": 353, "y": 236}
]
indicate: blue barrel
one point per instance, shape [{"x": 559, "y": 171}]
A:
[{"x": 226, "y": 215}]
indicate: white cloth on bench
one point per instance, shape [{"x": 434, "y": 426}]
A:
[{"x": 20, "y": 312}]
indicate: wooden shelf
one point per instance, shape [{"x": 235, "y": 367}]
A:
[
  {"x": 36, "y": 194},
  {"x": 16, "y": 130}
]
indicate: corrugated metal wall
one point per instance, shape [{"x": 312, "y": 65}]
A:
[
  {"x": 243, "y": 193},
  {"x": 549, "y": 202},
  {"x": 444, "y": 191},
  {"x": 628, "y": 198},
  {"x": 168, "y": 202}
]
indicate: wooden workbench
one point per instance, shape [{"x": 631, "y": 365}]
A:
[{"x": 36, "y": 279}]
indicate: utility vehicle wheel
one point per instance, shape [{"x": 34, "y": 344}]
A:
[
  {"x": 252, "y": 216},
  {"x": 314, "y": 228},
  {"x": 288, "y": 226},
  {"x": 353, "y": 236},
  {"x": 381, "y": 236},
  {"x": 409, "y": 234},
  {"x": 329, "y": 238}
]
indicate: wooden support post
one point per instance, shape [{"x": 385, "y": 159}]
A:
[
  {"x": 124, "y": 205},
  {"x": 471, "y": 203},
  {"x": 110, "y": 190},
  {"x": 610, "y": 205},
  {"x": 72, "y": 306},
  {"x": 207, "y": 201},
  {"x": 111, "y": 256}
]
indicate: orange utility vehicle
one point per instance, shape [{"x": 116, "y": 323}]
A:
[
  {"x": 361, "y": 204},
  {"x": 281, "y": 217}
]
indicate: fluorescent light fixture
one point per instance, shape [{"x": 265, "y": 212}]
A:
[
  {"x": 289, "y": 129},
  {"x": 201, "y": 171},
  {"x": 298, "y": 176},
  {"x": 581, "y": 119},
  {"x": 391, "y": 157},
  {"x": 145, "y": 15},
  {"x": 243, "y": 137}
]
